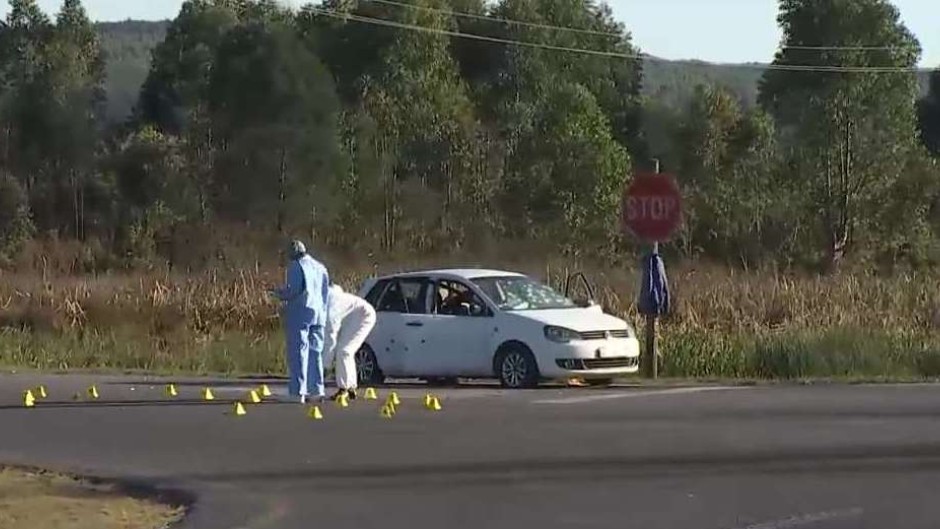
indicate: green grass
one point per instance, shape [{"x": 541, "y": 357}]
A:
[
  {"x": 225, "y": 353},
  {"x": 842, "y": 353}
]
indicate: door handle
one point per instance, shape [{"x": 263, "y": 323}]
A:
[{"x": 415, "y": 324}]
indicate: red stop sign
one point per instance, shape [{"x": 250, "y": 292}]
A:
[{"x": 652, "y": 207}]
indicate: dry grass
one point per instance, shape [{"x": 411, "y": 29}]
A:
[
  {"x": 31, "y": 500},
  {"x": 726, "y": 324}
]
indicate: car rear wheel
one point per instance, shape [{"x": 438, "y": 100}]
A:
[
  {"x": 367, "y": 367},
  {"x": 516, "y": 367}
]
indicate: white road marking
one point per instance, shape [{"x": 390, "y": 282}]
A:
[
  {"x": 635, "y": 394},
  {"x": 801, "y": 520}
]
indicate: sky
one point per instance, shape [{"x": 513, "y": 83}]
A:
[{"x": 709, "y": 30}]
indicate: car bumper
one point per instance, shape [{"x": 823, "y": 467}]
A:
[{"x": 590, "y": 359}]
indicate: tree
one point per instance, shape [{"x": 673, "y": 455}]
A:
[
  {"x": 848, "y": 133},
  {"x": 23, "y": 41},
  {"x": 728, "y": 163},
  {"x": 175, "y": 88},
  {"x": 15, "y": 224},
  {"x": 54, "y": 77},
  {"x": 408, "y": 83},
  {"x": 520, "y": 72},
  {"x": 274, "y": 109},
  {"x": 928, "y": 114},
  {"x": 75, "y": 81},
  {"x": 155, "y": 194},
  {"x": 564, "y": 179}
]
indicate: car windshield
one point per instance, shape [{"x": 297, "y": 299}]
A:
[{"x": 521, "y": 293}]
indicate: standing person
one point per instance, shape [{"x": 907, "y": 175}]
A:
[
  {"x": 350, "y": 320},
  {"x": 305, "y": 296}
]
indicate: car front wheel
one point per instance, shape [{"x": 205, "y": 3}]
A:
[
  {"x": 367, "y": 367},
  {"x": 516, "y": 367}
]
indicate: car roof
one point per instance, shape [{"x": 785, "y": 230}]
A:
[{"x": 465, "y": 274}]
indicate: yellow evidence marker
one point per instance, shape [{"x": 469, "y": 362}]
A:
[
  {"x": 41, "y": 391},
  {"x": 207, "y": 394},
  {"x": 28, "y": 399},
  {"x": 388, "y": 411},
  {"x": 255, "y": 398},
  {"x": 171, "y": 390},
  {"x": 315, "y": 413},
  {"x": 239, "y": 409},
  {"x": 343, "y": 401},
  {"x": 93, "y": 392},
  {"x": 371, "y": 394},
  {"x": 435, "y": 404},
  {"x": 265, "y": 390},
  {"x": 393, "y": 398},
  {"x": 428, "y": 399}
]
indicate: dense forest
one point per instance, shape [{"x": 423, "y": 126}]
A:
[
  {"x": 128, "y": 46},
  {"x": 443, "y": 126}
]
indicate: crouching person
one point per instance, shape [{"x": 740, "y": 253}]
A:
[{"x": 350, "y": 319}]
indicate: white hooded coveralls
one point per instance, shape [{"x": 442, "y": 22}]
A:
[{"x": 350, "y": 319}]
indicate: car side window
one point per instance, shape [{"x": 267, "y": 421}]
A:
[
  {"x": 373, "y": 296},
  {"x": 406, "y": 296},
  {"x": 456, "y": 299}
]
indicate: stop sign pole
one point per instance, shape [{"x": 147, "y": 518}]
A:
[{"x": 652, "y": 211}]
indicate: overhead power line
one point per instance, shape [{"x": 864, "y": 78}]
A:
[
  {"x": 464, "y": 14},
  {"x": 612, "y": 34},
  {"x": 472, "y": 36},
  {"x": 601, "y": 53}
]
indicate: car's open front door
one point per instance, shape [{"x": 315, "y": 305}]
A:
[{"x": 580, "y": 290}]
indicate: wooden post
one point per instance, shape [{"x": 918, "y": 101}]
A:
[
  {"x": 650, "y": 336},
  {"x": 651, "y": 326}
]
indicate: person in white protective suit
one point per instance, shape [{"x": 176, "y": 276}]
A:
[{"x": 350, "y": 319}]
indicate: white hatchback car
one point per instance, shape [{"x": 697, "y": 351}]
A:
[{"x": 444, "y": 324}]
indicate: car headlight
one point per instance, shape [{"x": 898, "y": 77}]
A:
[{"x": 560, "y": 334}]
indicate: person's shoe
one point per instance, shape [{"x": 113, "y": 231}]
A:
[
  {"x": 352, "y": 394},
  {"x": 303, "y": 399},
  {"x": 338, "y": 394}
]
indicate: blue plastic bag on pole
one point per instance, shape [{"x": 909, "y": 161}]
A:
[{"x": 654, "y": 288}]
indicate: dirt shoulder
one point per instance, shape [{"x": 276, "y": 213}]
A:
[{"x": 30, "y": 499}]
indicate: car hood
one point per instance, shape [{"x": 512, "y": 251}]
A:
[{"x": 576, "y": 319}]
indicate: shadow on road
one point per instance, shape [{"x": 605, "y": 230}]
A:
[
  {"x": 889, "y": 460},
  {"x": 134, "y": 404},
  {"x": 394, "y": 384}
]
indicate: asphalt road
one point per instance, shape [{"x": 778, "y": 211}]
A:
[{"x": 827, "y": 457}]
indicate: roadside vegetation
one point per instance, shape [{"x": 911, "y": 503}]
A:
[
  {"x": 378, "y": 134},
  {"x": 31, "y": 500},
  {"x": 754, "y": 325}
]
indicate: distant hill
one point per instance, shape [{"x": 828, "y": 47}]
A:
[
  {"x": 127, "y": 46},
  {"x": 671, "y": 84}
]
